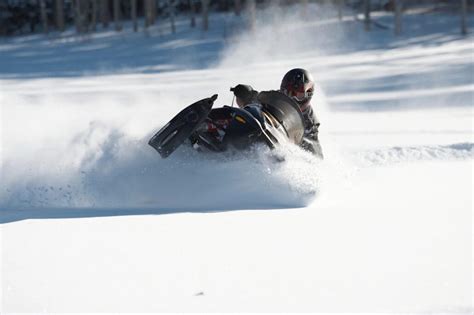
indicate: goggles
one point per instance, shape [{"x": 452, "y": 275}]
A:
[{"x": 302, "y": 96}]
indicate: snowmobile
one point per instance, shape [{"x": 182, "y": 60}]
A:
[{"x": 272, "y": 120}]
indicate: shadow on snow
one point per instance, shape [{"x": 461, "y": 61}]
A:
[{"x": 10, "y": 216}]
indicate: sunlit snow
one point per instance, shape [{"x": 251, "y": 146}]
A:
[{"x": 93, "y": 220}]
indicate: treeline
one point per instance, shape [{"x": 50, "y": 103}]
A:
[
  {"x": 398, "y": 6},
  {"x": 26, "y": 16},
  {"x": 31, "y": 16}
]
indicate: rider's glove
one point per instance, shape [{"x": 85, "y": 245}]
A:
[{"x": 244, "y": 92}]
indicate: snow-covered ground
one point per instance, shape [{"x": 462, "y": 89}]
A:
[{"x": 92, "y": 220}]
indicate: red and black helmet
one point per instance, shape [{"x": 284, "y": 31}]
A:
[{"x": 299, "y": 85}]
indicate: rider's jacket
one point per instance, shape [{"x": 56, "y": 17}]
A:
[{"x": 311, "y": 130}]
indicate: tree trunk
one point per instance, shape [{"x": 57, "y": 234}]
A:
[
  {"x": 78, "y": 16},
  {"x": 340, "y": 7},
  {"x": 117, "y": 16},
  {"x": 367, "y": 14},
  {"x": 153, "y": 11},
  {"x": 84, "y": 18},
  {"x": 304, "y": 8},
  {"x": 171, "y": 7},
  {"x": 463, "y": 17},
  {"x": 252, "y": 10},
  {"x": 44, "y": 16},
  {"x": 133, "y": 14},
  {"x": 147, "y": 12},
  {"x": 192, "y": 7},
  {"x": 150, "y": 12},
  {"x": 237, "y": 7},
  {"x": 93, "y": 7},
  {"x": 104, "y": 13},
  {"x": 60, "y": 15},
  {"x": 398, "y": 16},
  {"x": 205, "y": 15}
]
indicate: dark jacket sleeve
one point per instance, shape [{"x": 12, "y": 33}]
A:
[{"x": 311, "y": 134}]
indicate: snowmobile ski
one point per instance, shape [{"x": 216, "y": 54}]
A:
[{"x": 178, "y": 129}]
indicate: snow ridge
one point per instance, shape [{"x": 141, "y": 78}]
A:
[{"x": 393, "y": 155}]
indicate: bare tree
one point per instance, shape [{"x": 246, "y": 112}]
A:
[
  {"x": 146, "y": 12},
  {"x": 78, "y": 16},
  {"x": 44, "y": 16},
  {"x": 81, "y": 10},
  {"x": 192, "y": 7},
  {"x": 205, "y": 14},
  {"x": 340, "y": 7},
  {"x": 367, "y": 14},
  {"x": 304, "y": 8},
  {"x": 398, "y": 16},
  {"x": 117, "y": 16},
  {"x": 93, "y": 14},
  {"x": 252, "y": 10},
  {"x": 149, "y": 12},
  {"x": 60, "y": 15},
  {"x": 463, "y": 17},
  {"x": 104, "y": 13},
  {"x": 237, "y": 7},
  {"x": 171, "y": 7},
  {"x": 85, "y": 12},
  {"x": 133, "y": 14},
  {"x": 153, "y": 11}
]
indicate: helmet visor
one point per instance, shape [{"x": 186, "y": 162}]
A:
[{"x": 302, "y": 96}]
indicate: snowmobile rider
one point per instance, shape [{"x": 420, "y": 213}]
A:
[{"x": 299, "y": 85}]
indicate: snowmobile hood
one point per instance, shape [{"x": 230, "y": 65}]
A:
[{"x": 286, "y": 111}]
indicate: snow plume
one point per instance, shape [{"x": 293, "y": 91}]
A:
[
  {"x": 213, "y": 182},
  {"x": 291, "y": 37},
  {"x": 107, "y": 169},
  {"x": 94, "y": 153},
  {"x": 282, "y": 39}
]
